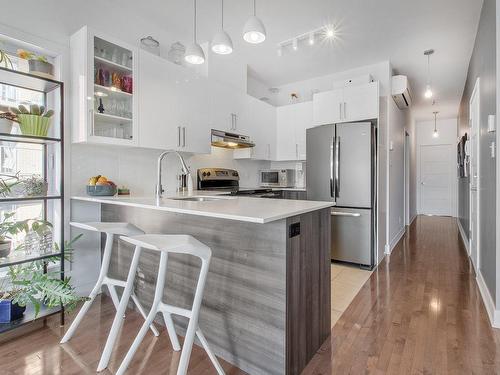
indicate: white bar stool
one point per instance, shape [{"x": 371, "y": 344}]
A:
[
  {"x": 182, "y": 244},
  {"x": 111, "y": 229}
]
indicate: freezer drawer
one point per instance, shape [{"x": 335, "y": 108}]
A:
[{"x": 352, "y": 238}]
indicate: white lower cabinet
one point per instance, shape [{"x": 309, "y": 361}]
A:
[
  {"x": 173, "y": 107},
  {"x": 292, "y": 122}
]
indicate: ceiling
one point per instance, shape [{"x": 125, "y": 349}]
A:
[{"x": 369, "y": 31}]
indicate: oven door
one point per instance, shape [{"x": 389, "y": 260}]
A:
[{"x": 269, "y": 178}]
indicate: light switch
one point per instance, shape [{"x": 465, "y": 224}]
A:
[
  {"x": 491, "y": 123},
  {"x": 492, "y": 149}
]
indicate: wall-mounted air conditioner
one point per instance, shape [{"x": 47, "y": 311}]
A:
[{"x": 401, "y": 91}]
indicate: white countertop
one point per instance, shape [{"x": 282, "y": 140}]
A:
[{"x": 254, "y": 210}]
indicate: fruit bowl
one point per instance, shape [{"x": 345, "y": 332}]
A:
[{"x": 101, "y": 190}]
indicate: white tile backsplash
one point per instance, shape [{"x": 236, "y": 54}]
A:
[{"x": 136, "y": 168}]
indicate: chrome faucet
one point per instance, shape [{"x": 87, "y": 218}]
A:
[{"x": 185, "y": 170}]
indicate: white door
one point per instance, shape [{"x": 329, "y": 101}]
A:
[
  {"x": 436, "y": 180},
  {"x": 360, "y": 102},
  {"x": 474, "y": 177},
  {"x": 327, "y": 107}
]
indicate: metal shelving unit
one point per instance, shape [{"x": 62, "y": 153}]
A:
[{"x": 46, "y": 86}]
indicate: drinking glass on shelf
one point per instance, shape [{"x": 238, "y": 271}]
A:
[
  {"x": 31, "y": 243},
  {"x": 114, "y": 56},
  {"x": 120, "y": 108}
]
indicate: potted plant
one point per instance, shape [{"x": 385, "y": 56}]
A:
[
  {"x": 35, "y": 121},
  {"x": 35, "y": 186},
  {"x": 28, "y": 283},
  {"x": 5, "y": 60},
  {"x": 9, "y": 228},
  {"x": 6, "y": 121},
  {"x": 38, "y": 64},
  {"x": 7, "y": 182}
]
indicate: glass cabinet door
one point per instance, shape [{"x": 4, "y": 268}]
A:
[{"x": 113, "y": 91}]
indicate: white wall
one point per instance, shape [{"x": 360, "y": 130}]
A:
[
  {"x": 396, "y": 167},
  {"x": 448, "y": 135}
]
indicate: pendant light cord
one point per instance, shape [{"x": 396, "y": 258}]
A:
[
  {"x": 254, "y": 8},
  {"x": 195, "y": 21},
  {"x": 428, "y": 69},
  {"x": 222, "y": 21}
]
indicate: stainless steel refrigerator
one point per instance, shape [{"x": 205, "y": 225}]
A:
[{"x": 341, "y": 167}]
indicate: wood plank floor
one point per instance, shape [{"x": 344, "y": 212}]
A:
[{"x": 419, "y": 313}]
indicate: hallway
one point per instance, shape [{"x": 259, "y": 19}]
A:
[{"x": 420, "y": 312}]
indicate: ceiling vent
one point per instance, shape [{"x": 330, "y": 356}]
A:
[{"x": 401, "y": 91}]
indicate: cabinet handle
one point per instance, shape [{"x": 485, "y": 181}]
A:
[
  {"x": 340, "y": 111},
  {"x": 269, "y": 151},
  {"x": 235, "y": 121},
  {"x": 345, "y": 110},
  {"x": 92, "y": 126},
  {"x": 183, "y": 136},
  {"x": 297, "y": 151},
  {"x": 232, "y": 121},
  {"x": 178, "y": 136}
]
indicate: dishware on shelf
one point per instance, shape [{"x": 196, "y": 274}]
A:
[
  {"x": 127, "y": 84},
  {"x": 116, "y": 81}
]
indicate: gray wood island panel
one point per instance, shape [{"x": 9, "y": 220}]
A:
[{"x": 266, "y": 306}]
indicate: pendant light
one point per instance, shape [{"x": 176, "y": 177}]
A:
[
  {"x": 435, "y": 134},
  {"x": 222, "y": 43},
  {"x": 428, "y": 89},
  {"x": 194, "y": 52},
  {"x": 254, "y": 31}
]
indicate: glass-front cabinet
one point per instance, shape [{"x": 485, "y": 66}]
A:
[{"x": 104, "y": 89}]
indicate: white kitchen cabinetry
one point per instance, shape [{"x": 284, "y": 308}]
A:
[
  {"x": 104, "y": 89},
  {"x": 260, "y": 125},
  {"x": 292, "y": 122},
  {"x": 173, "y": 105},
  {"x": 351, "y": 103},
  {"x": 228, "y": 108}
]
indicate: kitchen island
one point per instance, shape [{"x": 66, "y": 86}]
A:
[{"x": 266, "y": 307}]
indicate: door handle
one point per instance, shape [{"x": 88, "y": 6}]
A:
[
  {"x": 92, "y": 126},
  {"x": 337, "y": 166},
  {"x": 183, "y": 136},
  {"x": 350, "y": 214},
  {"x": 332, "y": 153},
  {"x": 178, "y": 136}
]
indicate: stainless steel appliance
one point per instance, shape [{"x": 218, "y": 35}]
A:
[
  {"x": 228, "y": 179},
  {"x": 221, "y": 138},
  {"x": 277, "y": 178},
  {"x": 341, "y": 167}
]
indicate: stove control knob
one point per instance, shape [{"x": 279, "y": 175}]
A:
[
  {"x": 235, "y": 173},
  {"x": 208, "y": 173},
  {"x": 204, "y": 174}
]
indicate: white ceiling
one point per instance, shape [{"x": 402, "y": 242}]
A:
[{"x": 370, "y": 31}]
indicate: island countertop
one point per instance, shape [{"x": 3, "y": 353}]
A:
[{"x": 254, "y": 210}]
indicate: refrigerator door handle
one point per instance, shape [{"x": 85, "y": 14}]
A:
[
  {"x": 337, "y": 167},
  {"x": 350, "y": 214},
  {"x": 332, "y": 164}
]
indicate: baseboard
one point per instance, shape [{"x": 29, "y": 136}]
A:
[
  {"x": 465, "y": 240},
  {"x": 489, "y": 304},
  {"x": 394, "y": 241},
  {"x": 412, "y": 219}
]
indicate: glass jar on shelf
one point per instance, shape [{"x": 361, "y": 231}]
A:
[
  {"x": 46, "y": 240},
  {"x": 31, "y": 243}
]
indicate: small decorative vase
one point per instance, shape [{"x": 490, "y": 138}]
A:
[
  {"x": 41, "y": 68},
  {"x": 45, "y": 239},
  {"x": 10, "y": 311},
  {"x": 31, "y": 243},
  {"x": 5, "y": 126},
  {"x": 34, "y": 125},
  {"x": 127, "y": 84}
]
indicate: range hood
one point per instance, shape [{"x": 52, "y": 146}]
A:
[{"x": 225, "y": 139}]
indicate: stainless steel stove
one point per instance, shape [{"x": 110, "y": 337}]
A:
[{"x": 229, "y": 179}]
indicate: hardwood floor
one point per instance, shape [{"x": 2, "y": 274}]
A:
[
  {"x": 39, "y": 352},
  {"x": 419, "y": 313}
]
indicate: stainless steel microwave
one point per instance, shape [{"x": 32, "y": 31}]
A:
[{"x": 277, "y": 177}]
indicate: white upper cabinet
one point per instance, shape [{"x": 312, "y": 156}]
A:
[
  {"x": 361, "y": 102},
  {"x": 104, "y": 89},
  {"x": 351, "y": 103},
  {"x": 327, "y": 107},
  {"x": 292, "y": 122},
  {"x": 228, "y": 108},
  {"x": 260, "y": 125},
  {"x": 173, "y": 106}
]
